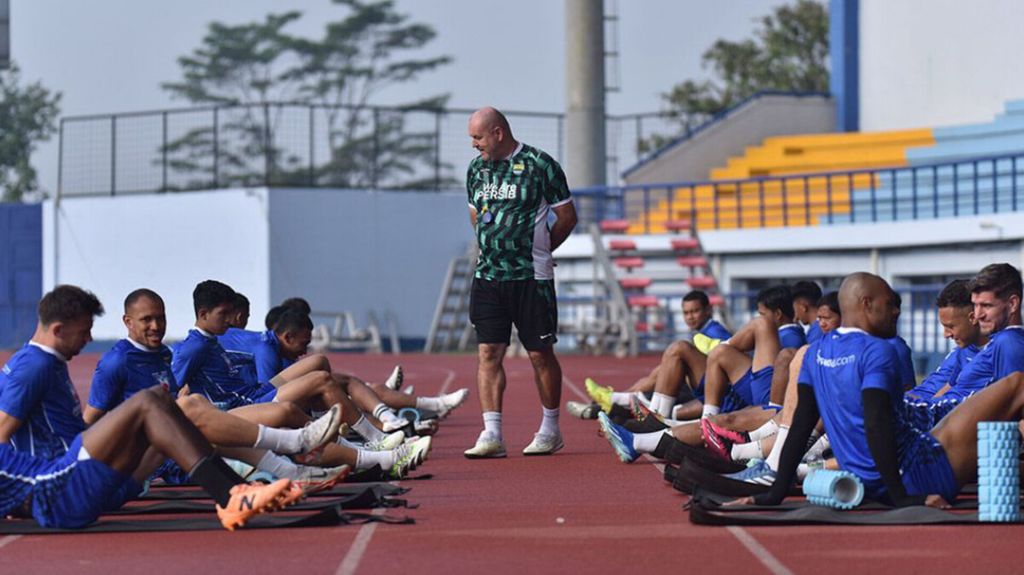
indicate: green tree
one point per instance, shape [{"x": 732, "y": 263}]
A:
[
  {"x": 789, "y": 52},
  {"x": 28, "y": 115},
  {"x": 253, "y": 70}
]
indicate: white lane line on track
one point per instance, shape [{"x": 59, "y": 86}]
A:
[
  {"x": 8, "y": 540},
  {"x": 448, "y": 381},
  {"x": 362, "y": 541},
  {"x": 757, "y": 550}
]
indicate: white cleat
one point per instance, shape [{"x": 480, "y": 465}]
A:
[
  {"x": 544, "y": 444},
  {"x": 321, "y": 431},
  {"x": 387, "y": 443},
  {"x": 487, "y": 447},
  {"x": 394, "y": 381},
  {"x": 450, "y": 401}
]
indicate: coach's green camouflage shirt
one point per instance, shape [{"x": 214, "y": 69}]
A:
[{"x": 512, "y": 199}]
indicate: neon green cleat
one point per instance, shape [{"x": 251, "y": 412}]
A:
[
  {"x": 705, "y": 344},
  {"x": 600, "y": 394}
]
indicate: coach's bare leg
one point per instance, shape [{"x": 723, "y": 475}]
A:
[
  {"x": 548, "y": 376},
  {"x": 490, "y": 378}
]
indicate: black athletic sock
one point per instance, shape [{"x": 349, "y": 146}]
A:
[
  {"x": 645, "y": 425},
  {"x": 216, "y": 478},
  {"x": 663, "y": 444},
  {"x": 619, "y": 414}
]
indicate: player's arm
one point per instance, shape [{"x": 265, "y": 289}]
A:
[
  {"x": 267, "y": 362},
  {"x": 804, "y": 419},
  {"x": 936, "y": 382},
  {"x": 184, "y": 367},
  {"x": 107, "y": 389},
  {"x": 472, "y": 217},
  {"x": 9, "y": 425},
  {"x": 566, "y": 214},
  {"x": 882, "y": 443}
]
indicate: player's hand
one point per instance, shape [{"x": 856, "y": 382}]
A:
[
  {"x": 749, "y": 500},
  {"x": 936, "y": 501},
  {"x": 184, "y": 391}
]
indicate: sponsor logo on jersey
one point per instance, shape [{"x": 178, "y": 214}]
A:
[
  {"x": 835, "y": 362},
  {"x": 518, "y": 168},
  {"x": 493, "y": 191}
]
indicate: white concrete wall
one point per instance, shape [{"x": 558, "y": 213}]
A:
[
  {"x": 363, "y": 251},
  {"x": 938, "y": 62},
  {"x": 166, "y": 242}
]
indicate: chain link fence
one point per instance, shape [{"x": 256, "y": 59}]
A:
[{"x": 296, "y": 145}]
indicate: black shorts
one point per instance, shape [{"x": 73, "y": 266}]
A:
[{"x": 529, "y": 304}]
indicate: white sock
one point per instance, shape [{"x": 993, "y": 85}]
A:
[
  {"x": 776, "y": 453},
  {"x": 384, "y": 413},
  {"x": 346, "y": 443},
  {"x": 769, "y": 429},
  {"x": 819, "y": 447},
  {"x": 549, "y": 425},
  {"x": 492, "y": 423},
  {"x": 366, "y": 429},
  {"x": 367, "y": 459},
  {"x": 430, "y": 404},
  {"x": 277, "y": 465},
  {"x": 286, "y": 441},
  {"x": 647, "y": 442},
  {"x": 621, "y": 398},
  {"x": 746, "y": 451},
  {"x": 662, "y": 403},
  {"x": 710, "y": 410}
]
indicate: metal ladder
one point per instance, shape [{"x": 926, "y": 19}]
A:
[{"x": 451, "y": 330}]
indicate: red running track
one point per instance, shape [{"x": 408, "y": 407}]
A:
[{"x": 501, "y": 517}]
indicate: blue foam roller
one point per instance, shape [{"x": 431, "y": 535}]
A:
[
  {"x": 836, "y": 489},
  {"x": 409, "y": 414},
  {"x": 264, "y": 476},
  {"x": 998, "y": 472}
]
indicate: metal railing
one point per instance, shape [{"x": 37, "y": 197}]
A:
[
  {"x": 302, "y": 145},
  {"x": 975, "y": 186}
]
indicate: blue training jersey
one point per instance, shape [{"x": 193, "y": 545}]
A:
[
  {"x": 126, "y": 369},
  {"x": 200, "y": 362},
  {"x": 715, "y": 330},
  {"x": 814, "y": 332},
  {"x": 239, "y": 344},
  {"x": 35, "y": 387},
  {"x": 792, "y": 335},
  {"x": 263, "y": 351},
  {"x": 947, "y": 373},
  {"x": 1003, "y": 355},
  {"x": 904, "y": 362},
  {"x": 839, "y": 367}
]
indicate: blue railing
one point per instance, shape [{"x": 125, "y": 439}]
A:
[{"x": 975, "y": 186}]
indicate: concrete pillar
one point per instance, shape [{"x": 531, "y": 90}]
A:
[{"x": 585, "y": 161}]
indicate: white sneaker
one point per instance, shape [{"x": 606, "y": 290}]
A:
[
  {"x": 487, "y": 447},
  {"x": 387, "y": 443},
  {"x": 450, "y": 401},
  {"x": 408, "y": 456},
  {"x": 392, "y": 425},
  {"x": 313, "y": 479},
  {"x": 321, "y": 431},
  {"x": 544, "y": 444},
  {"x": 394, "y": 381}
]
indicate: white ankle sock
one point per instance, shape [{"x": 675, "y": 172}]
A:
[
  {"x": 769, "y": 429},
  {"x": 662, "y": 404},
  {"x": 367, "y": 459},
  {"x": 647, "y": 442},
  {"x": 776, "y": 453},
  {"x": 549, "y": 425},
  {"x": 621, "y": 398},
  {"x": 819, "y": 447},
  {"x": 277, "y": 465},
  {"x": 745, "y": 451},
  {"x": 710, "y": 410},
  {"x": 430, "y": 404},
  {"x": 366, "y": 429},
  {"x": 286, "y": 441},
  {"x": 492, "y": 423}
]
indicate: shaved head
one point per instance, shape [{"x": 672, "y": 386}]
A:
[
  {"x": 491, "y": 134},
  {"x": 867, "y": 302}
]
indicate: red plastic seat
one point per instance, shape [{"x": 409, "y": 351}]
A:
[
  {"x": 716, "y": 300},
  {"x": 629, "y": 263},
  {"x": 678, "y": 225},
  {"x": 643, "y": 301},
  {"x": 693, "y": 261},
  {"x": 644, "y": 326},
  {"x": 622, "y": 245},
  {"x": 614, "y": 226},
  {"x": 702, "y": 282},
  {"x": 685, "y": 244},
  {"x": 635, "y": 283}
]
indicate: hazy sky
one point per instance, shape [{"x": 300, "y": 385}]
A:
[{"x": 111, "y": 55}]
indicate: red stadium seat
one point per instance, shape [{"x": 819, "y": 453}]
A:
[
  {"x": 702, "y": 282},
  {"x": 678, "y": 225},
  {"x": 614, "y": 226},
  {"x": 635, "y": 283},
  {"x": 629, "y": 263},
  {"x": 622, "y": 245},
  {"x": 716, "y": 300},
  {"x": 643, "y": 301},
  {"x": 685, "y": 244},
  {"x": 693, "y": 262},
  {"x": 644, "y": 326}
]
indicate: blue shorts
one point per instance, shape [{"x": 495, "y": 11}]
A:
[
  {"x": 926, "y": 469},
  {"x": 77, "y": 498},
  {"x": 265, "y": 394},
  {"x": 754, "y": 388},
  {"x": 924, "y": 415}
]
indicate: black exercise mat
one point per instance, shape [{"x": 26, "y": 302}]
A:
[
  {"x": 692, "y": 475},
  {"x": 380, "y": 489},
  {"x": 679, "y": 451},
  {"x": 328, "y": 517},
  {"x": 365, "y": 499},
  {"x": 792, "y": 504},
  {"x": 706, "y": 512}
]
